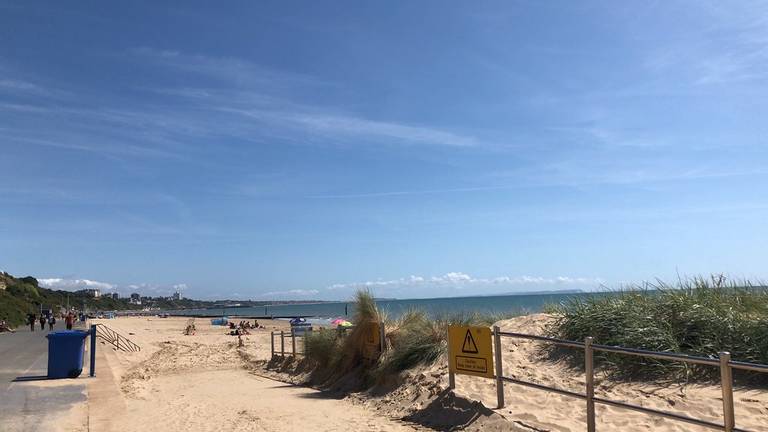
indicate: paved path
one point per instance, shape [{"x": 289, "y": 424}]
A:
[{"x": 34, "y": 405}]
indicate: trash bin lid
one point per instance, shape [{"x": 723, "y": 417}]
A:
[{"x": 67, "y": 334}]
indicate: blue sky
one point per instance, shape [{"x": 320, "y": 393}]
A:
[{"x": 304, "y": 149}]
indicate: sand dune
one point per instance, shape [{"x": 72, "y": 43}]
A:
[{"x": 538, "y": 410}]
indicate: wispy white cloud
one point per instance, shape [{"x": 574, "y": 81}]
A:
[
  {"x": 20, "y": 86},
  {"x": 290, "y": 294},
  {"x": 75, "y": 284},
  {"x": 266, "y": 100},
  {"x": 415, "y": 192},
  {"x": 243, "y": 101},
  {"x": 569, "y": 174},
  {"x": 400, "y": 132},
  {"x": 65, "y": 142},
  {"x": 731, "y": 46},
  {"x": 341, "y": 126},
  {"x": 230, "y": 70},
  {"x": 71, "y": 284},
  {"x": 463, "y": 280}
]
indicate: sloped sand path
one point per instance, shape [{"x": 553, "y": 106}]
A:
[
  {"x": 182, "y": 383},
  {"x": 235, "y": 400}
]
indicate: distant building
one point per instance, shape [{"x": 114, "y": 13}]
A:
[
  {"x": 92, "y": 292},
  {"x": 176, "y": 296},
  {"x": 115, "y": 296},
  {"x": 135, "y": 299}
]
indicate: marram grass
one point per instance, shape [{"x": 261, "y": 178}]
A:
[
  {"x": 697, "y": 316},
  {"x": 414, "y": 339}
]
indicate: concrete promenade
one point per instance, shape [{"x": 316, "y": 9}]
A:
[{"x": 28, "y": 403}]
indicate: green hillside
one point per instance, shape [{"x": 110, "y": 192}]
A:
[{"x": 24, "y": 295}]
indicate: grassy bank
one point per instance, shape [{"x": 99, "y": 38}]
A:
[
  {"x": 413, "y": 339},
  {"x": 697, "y": 316},
  {"x": 25, "y": 295}
]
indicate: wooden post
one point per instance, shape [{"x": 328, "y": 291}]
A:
[
  {"x": 293, "y": 342},
  {"x": 272, "y": 342},
  {"x": 451, "y": 375},
  {"x": 499, "y": 368},
  {"x": 282, "y": 343},
  {"x": 726, "y": 382},
  {"x": 382, "y": 335},
  {"x": 589, "y": 367}
]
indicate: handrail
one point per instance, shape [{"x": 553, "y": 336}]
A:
[
  {"x": 554, "y": 341},
  {"x": 657, "y": 355},
  {"x": 120, "y": 342},
  {"x": 724, "y": 362}
]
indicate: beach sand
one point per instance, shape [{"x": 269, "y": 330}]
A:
[{"x": 205, "y": 382}]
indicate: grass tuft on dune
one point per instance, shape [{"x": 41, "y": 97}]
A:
[
  {"x": 698, "y": 316},
  {"x": 414, "y": 339}
]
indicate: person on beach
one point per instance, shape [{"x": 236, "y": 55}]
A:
[
  {"x": 51, "y": 323},
  {"x": 69, "y": 320},
  {"x": 31, "y": 318},
  {"x": 42, "y": 322},
  {"x": 5, "y": 328}
]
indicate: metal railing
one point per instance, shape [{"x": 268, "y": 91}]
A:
[
  {"x": 724, "y": 362},
  {"x": 120, "y": 342}
]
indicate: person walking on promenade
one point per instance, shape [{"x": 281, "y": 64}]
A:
[
  {"x": 31, "y": 318},
  {"x": 42, "y": 322},
  {"x": 69, "y": 320},
  {"x": 51, "y": 322}
]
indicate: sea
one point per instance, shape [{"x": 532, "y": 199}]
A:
[{"x": 435, "y": 307}]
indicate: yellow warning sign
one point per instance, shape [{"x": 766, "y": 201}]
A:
[
  {"x": 373, "y": 337},
  {"x": 469, "y": 350},
  {"x": 372, "y": 347}
]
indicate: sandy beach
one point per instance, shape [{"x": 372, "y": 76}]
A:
[{"x": 204, "y": 382}]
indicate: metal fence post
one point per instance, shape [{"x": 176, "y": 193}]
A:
[
  {"x": 293, "y": 342},
  {"x": 726, "y": 382},
  {"x": 282, "y": 343},
  {"x": 589, "y": 366},
  {"x": 499, "y": 368},
  {"x": 93, "y": 350},
  {"x": 272, "y": 342}
]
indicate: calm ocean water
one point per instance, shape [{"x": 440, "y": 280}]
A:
[{"x": 528, "y": 303}]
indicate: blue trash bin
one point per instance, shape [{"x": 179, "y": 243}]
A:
[{"x": 65, "y": 353}]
